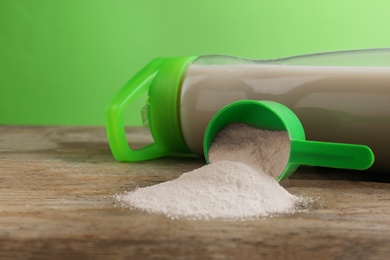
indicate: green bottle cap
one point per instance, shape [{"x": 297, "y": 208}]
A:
[
  {"x": 271, "y": 115},
  {"x": 161, "y": 78}
]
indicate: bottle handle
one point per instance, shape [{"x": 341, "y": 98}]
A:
[{"x": 114, "y": 115}]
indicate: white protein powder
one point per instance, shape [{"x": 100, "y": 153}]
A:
[
  {"x": 262, "y": 149},
  {"x": 239, "y": 183}
]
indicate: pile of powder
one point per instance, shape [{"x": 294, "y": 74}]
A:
[
  {"x": 262, "y": 149},
  {"x": 239, "y": 183}
]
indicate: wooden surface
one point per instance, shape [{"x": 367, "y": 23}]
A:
[{"x": 57, "y": 186}]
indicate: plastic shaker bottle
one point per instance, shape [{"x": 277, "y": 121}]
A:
[{"x": 339, "y": 97}]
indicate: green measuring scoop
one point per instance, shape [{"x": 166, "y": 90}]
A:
[{"x": 270, "y": 115}]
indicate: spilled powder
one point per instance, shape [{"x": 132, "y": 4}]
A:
[
  {"x": 262, "y": 149},
  {"x": 239, "y": 183}
]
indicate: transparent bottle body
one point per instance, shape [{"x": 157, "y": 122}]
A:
[{"x": 339, "y": 97}]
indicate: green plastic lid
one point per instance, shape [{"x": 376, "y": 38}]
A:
[
  {"x": 271, "y": 115},
  {"x": 162, "y": 79}
]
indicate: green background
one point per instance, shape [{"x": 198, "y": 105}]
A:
[{"x": 62, "y": 61}]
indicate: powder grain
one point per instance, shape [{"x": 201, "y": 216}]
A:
[{"x": 239, "y": 183}]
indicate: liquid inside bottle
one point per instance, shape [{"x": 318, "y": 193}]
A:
[{"x": 338, "y": 97}]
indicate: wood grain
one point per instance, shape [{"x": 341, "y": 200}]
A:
[{"x": 57, "y": 187}]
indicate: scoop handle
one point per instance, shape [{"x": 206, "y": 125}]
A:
[{"x": 334, "y": 155}]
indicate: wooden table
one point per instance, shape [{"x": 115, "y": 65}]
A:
[{"x": 57, "y": 186}]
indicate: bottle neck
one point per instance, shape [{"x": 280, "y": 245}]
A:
[{"x": 164, "y": 105}]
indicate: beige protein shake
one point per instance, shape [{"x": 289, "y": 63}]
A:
[{"x": 343, "y": 104}]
